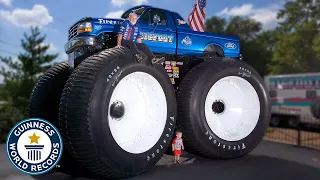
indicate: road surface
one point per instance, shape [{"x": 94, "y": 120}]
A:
[{"x": 268, "y": 161}]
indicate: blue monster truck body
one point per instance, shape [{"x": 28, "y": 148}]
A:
[
  {"x": 111, "y": 90},
  {"x": 171, "y": 36}
]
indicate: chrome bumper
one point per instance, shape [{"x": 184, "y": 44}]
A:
[
  {"x": 80, "y": 42},
  {"x": 76, "y": 47}
]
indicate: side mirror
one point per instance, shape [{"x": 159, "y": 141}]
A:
[{"x": 156, "y": 19}]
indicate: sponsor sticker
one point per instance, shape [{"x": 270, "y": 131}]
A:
[
  {"x": 187, "y": 41},
  {"x": 230, "y": 45}
]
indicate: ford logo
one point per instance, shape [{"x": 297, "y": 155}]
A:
[{"x": 230, "y": 45}]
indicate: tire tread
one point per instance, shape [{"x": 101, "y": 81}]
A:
[{"x": 74, "y": 112}]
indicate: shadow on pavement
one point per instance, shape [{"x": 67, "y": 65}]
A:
[{"x": 250, "y": 167}]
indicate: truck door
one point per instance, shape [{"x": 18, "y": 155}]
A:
[{"x": 159, "y": 38}]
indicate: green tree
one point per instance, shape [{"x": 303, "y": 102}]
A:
[
  {"x": 316, "y": 45},
  {"x": 215, "y": 25},
  {"x": 298, "y": 12},
  {"x": 297, "y": 48},
  {"x": 20, "y": 75},
  {"x": 244, "y": 27}
]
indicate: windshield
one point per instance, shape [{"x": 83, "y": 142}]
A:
[{"x": 138, "y": 11}]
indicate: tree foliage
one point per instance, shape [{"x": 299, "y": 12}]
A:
[
  {"x": 292, "y": 47},
  {"x": 20, "y": 76},
  {"x": 296, "y": 51}
]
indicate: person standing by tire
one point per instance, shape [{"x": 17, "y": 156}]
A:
[
  {"x": 177, "y": 146},
  {"x": 129, "y": 33}
]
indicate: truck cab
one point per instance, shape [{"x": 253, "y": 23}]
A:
[{"x": 164, "y": 32}]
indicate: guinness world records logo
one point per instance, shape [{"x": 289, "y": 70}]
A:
[{"x": 34, "y": 146}]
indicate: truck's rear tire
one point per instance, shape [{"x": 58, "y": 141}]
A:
[
  {"x": 118, "y": 116},
  {"x": 223, "y": 109},
  {"x": 315, "y": 109},
  {"x": 44, "y": 103}
]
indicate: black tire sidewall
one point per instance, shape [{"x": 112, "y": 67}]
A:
[
  {"x": 103, "y": 141},
  {"x": 205, "y": 134},
  {"x": 45, "y": 97},
  {"x": 45, "y": 100}
]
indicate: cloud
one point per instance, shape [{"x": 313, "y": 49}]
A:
[
  {"x": 115, "y": 14},
  {"x": 51, "y": 48},
  {"x": 62, "y": 57},
  {"x": 37, "y": 16},
  {"x": 120, "y": 3},
  {"x": 6, "y": 3},
  {"x": 243, "y": 10},
  {"x": 267, "y": 16}
]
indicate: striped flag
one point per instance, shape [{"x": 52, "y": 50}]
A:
[{"x": 197, "y": 17}]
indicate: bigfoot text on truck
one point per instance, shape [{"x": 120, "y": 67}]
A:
[{"x": 117, "y": 117}]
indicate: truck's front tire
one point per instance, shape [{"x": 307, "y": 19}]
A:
[
  {"x": 223, "y": 109},
  {"x": 44, "y": 104},
  {"x": 118, "y": 116}
]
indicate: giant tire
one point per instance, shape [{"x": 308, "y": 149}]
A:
[
  {"x": 45, "y": 100},
  {"x": 315, "y": 109},
  {"x": 45, "y": 96},
  {"x": 85, "y": 114},
  {"x": 44, "y": 103},
  {"x": 202, "y": 135}
]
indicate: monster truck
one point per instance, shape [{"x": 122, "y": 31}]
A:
[{"x": 117, "y": 117}]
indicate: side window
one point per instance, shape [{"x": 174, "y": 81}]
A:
[
  {"x": 179, "y": 21},
  {"x": 147, "y": 18}
]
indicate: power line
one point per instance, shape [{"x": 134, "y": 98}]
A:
[
  {"x": 9, "y": 52},
  {"x": 3, "y": 50},
  {"x": 4, "y": 42}
]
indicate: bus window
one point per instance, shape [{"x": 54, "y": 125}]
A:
[
  {"x": 311, "y": 94},
  {"x": 299, "y": 83},
  {"x": 273, "y": 93},
  {"x": 307, "y": 83}
]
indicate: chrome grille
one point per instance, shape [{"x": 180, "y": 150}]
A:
[{"x": 73, "y": 32}]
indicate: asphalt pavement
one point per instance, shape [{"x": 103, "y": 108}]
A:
[{"x": 269, "y": 161}]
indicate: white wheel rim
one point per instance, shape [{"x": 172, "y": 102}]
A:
[
  {"x": 242, "y": 108},
  {"x": 143, "y": 122}
]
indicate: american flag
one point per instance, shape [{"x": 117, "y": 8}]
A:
[{"x": 197, "y": 17}]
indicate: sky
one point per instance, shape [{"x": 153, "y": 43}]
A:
[{"x": 54, "y": 17}]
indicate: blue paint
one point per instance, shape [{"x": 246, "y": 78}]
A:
[
  {"x": 292, "y": 104},
  {"x": 174, "y": 31}
]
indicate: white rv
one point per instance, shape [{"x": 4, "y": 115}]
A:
[{"x": 295, "y": 97}]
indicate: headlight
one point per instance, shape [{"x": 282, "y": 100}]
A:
[{"x": 84, "y": 27}]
